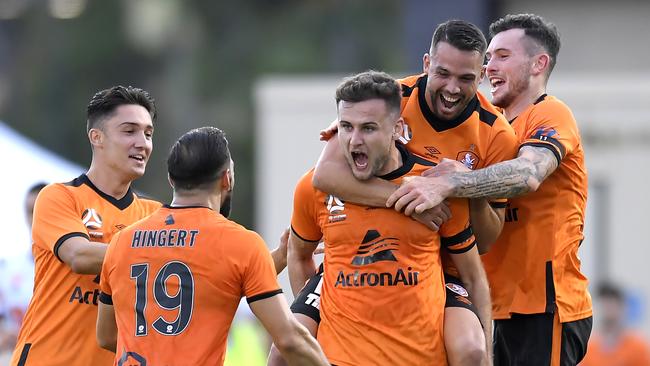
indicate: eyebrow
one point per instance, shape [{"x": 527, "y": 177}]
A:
[{"x": 135, "y": 124}]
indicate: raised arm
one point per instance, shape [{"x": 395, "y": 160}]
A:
[
  {"x": 510, "y": 178},
  {"x": 279, "y": 254},
  {"x": 293, "y": 340},
  {"x": 82, "y": 255}
]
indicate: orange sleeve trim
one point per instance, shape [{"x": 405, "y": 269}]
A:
[
  {"x": 263, "y": 296},
  {"x": 105, "y": 298},
  {"x": 303, "y": 239},
  {"x": 65, "y": 237}
]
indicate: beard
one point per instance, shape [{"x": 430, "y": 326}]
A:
[
  {"x": 226, "y": 205},
  {"x": 516, "y": 87}
]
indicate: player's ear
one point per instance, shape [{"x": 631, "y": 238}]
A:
[
  {"x": 540, "y": 63},
  {"x": 482, "y": 76},
  {"x": 398, "y": 130},
  {"x": 96, "y": 137},
  {"x": 426, "y": 62},
  {"x": 226, "y": 181},
  {"x": 171, "y": 182}
]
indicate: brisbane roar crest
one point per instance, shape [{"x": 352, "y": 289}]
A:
[{"x": 468, "y": 158}]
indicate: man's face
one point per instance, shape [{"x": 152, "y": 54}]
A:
[
  {"x": 453, "y": 78},
  {"x": 508, "y": 66},
  {"x": 126, "y": 142},
  {"x": 367, "y": 133}
]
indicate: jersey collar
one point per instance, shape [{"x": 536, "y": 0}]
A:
[
  {"x": 121, "y": 203},
  {"x": 438, "y": 124}
]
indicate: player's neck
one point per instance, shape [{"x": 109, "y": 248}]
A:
[
  {"x": 524, "y": 100},
  {"x": 108, "y": 181},
  {"x": 394, "y": 161},
  {"x": 197, "y": 198}
]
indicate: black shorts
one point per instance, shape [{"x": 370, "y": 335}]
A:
[
  {"x": 457, "y": 295},
  {"x": 307, "y": 302},
  {"x": 540, "y": 340}
]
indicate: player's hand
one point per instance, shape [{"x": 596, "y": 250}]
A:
[
  {"x": 284, "y": 243},
  {"x": 446, "y": 166},
  {"x": 434, "y": 217},
  {"x": 418, "y": 194},
  {"x": 330, "y": 131}
]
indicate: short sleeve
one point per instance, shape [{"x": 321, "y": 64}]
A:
[
  {"x": 552, "y": 125},
  {"x": 55, "y": 218},
  {"x": 304, "y": 218},
  {"x": 259, "y": 278},
  {"x": 456, "y": 235},
  {"x": 106, "y": 295}
]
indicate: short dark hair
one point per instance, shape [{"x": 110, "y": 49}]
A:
[
  {"x": 370, "y": 85},
  {"x": 198, "y": 158},
  {"x": 461, "y": 34},
  {"x": 37, "y": 187},
  {"x": 543, "y": 33},
  {"x": 609, "y": 290},
  {"x": 104, "y": 103}
]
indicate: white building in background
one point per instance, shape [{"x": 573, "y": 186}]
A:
[{"x": 612, "y": 111}]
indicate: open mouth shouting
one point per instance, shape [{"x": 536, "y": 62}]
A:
[
  {"x": 496, "y": 83},
  {"x": 360, "y": 160}
]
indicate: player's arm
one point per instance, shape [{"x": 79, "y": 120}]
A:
[
  {"x": 106, "y": 327},
  {"x": 506, "y": 179},
  {"x": 473, "y": 276},
  {"x": 279, "y": 254},
  {"x": 300, "y": 261},
  {"x": 487, "y": 222},
  {"x": 293, "y": 340},
  {"x": 82, "y": 255}
]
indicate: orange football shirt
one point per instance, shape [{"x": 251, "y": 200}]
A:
[
  {"x": 175, "y": 280},
  {"x": 383, "y": 295},
  {"x": 480, "y": 136},
  {"x": 59, "y": 325},
  {"x": 534, "y": 265}
]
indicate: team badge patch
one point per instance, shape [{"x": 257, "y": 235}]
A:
[
  {"x": 468, "y": 158},
  {"x": 457, "y": 289}
]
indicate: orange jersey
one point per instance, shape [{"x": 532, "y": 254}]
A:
[
  {"x": 479, "y": 137},
  {"x": 59, "y": 326},
  {"x": 175, "y": 280},
  {"x": 534, "y": 266},
  {"x": 383, "y": 294},
  {"x": 631, "y": 350}
]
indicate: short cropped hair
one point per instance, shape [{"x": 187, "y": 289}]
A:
[
  {"x": 104, "y": 103},
  {"x": 544, "y": 34},
  {"x": 371, "y": 85},
  {"x": 37, "y": 187},
  {"x": 463, "y": 35},
  {"x": 197, "y": 158}
]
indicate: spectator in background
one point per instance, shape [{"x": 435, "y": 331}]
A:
[
  {"x": 614, "y": 344},
  {"x": 16, "y": 283}
]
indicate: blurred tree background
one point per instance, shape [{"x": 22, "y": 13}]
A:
[{"x": 199, "y": 59}]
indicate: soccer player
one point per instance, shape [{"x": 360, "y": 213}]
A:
[
  {"x": 383, "y": 289},
  {"x": 445, "y": 117},
  {"x": 541, "y": 306},
  {"x": 171, "y": 283},
  {"x": 74, "y": 221}
]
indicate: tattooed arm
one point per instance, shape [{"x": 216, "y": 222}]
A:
[{"x": 502, "y": 180}]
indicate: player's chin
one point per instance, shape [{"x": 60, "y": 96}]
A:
[{"x": 362, "y": 174}]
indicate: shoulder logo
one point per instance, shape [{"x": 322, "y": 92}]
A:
[
  {"x": 545, "y": 133},
  {"x": 374, "y": 248},
  {"x": 93, "y": 222},
  {"x": 335, "y": 207},
  {"x": 469, "y": 158}
]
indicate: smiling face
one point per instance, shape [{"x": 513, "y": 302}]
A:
[
  {"x": 123, "y": 140},
  {"x": 453, "y": 76},
  {"x": 367, "y": 134},
  {"x": 508, "y": 67}
]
